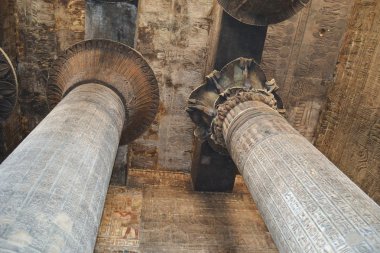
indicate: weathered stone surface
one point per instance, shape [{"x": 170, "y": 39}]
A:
[
  {"x": 44, "y": 29},
  {"x": 36, "y": 49},
  {"x": 173, "y": 36},
  {"x": 170, "y": 217},
  {"x": 10, "y": 134},
  {"x": 301, "y": 53},
  {"x": 33, "y": 32},
  {"x": 120, "y": 169},
  {"x": 120, "y": 229},
  {"x": 53, "y": 186},
  {"x": 94, "y": 87},
  {"x": 177, "y": 179},
  {"x": 262, "y": 13},
  {"x": 8, "y": 86},
  {"x": 10, "y": 121},
  {"x": 8, "y": 27},
  {"x": 115, "y": 65},
  {"x": 349, "y": 133},
  {"x": 69, "y": 22},
  {"x": 174, "y": 221},
  {"x": 10, "y": 130},
  {"x": 111, "y": 20},
  {"x": 308, "y": 204}
]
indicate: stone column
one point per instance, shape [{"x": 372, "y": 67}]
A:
[
  {"x": 307, "y": 203},
  {"x": 53, "y": 186}
]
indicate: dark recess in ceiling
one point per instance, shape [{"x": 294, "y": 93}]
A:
[{"x": 239, "y": 40}]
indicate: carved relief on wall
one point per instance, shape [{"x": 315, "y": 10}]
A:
[
  {"x": 301, "y": 53},
  {"x": 349, "y": 133}
]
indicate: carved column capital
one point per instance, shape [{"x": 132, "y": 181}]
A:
[
  {"x": 116, "y": 66},
  {"x": 234, "y": 97},
  {"x": 239, "y": 81},
  {"x": 258, "y": 12}
]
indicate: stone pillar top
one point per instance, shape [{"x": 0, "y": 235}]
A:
[
  {"x": 116, "y": 66},
  {"x": 239, "y": 81},
  {"x": 8, "y": 86},
  {"x": 262, "y": 13}
]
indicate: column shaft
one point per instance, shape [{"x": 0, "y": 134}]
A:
[
  {"x": 308, "y": 204},
  {"x": 53, "y": 186}
]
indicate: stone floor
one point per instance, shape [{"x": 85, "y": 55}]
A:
[{"x": 159, "y": 212}]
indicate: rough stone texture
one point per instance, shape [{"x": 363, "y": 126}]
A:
[
  {"x": 163, "y": 214},
  {"x": 36, "y": 49},
  {"x": 69, "y": 22},
  {"x": 301, "y": 53},
  {"x": 53, "y": 186},
  {"x": 262, "y": 13},
  {"x": 11, "y": 129},
  {"x": 44, "y": 28},
  {"x": 173, "y": 36},
  {"x": 8, "y": 27},
  {"x": 112, "y": 64},
  {"x": 120, "y": 169},
  {"x": 33, "y": 32},
  {"x": 120, "y": 226},
  {"x": 308, "y": 204},
  {"x": 182, "y": 180},
  {"x": 8, "y": 86},
  {"x": 9, "y": 109},
  {"x": 10, "y": 134},
  {"x": 349, "y": 133},
  {"x": 111, "y": 20}
]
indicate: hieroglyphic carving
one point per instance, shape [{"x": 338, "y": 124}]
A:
[
  {"x": 308, "y": 204},
  {"x": 115, "y": 65},
  {"x": 348, "y": 133},
  {"x": 53, "y": 186},
  {"x": 8, "y": 86},
  {"x": 120, "y": 225},
  {"x": 300, "y": 53}
]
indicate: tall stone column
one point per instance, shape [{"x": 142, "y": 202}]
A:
[
  {"x": 53, "y": 186},
  {"x": 307, "y": 203}
]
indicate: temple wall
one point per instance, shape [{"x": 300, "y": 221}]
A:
[
  {"x": 300, "y": 54},
  {"x": 158, "y": 212},
  {"x": 33, "y": 33},
  {"x": 349, "y": 133}
]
